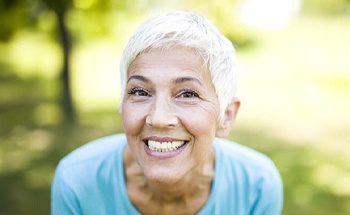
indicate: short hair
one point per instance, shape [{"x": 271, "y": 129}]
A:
[{"x": 187, "y": 29}]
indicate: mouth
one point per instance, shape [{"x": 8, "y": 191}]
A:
[{"x": 165, "y": 146}]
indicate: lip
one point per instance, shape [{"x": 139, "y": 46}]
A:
[{"x": 163, "y": 155}]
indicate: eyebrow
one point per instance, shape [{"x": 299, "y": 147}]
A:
[
  {"x": 139, "y": 77},
  {"x": 185, "y": 79},
  {"x": 176, "y": 81}
]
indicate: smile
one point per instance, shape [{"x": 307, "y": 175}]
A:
[{"x": 165, "y": 146}]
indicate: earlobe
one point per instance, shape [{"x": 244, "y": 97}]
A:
[{"x": 229, "y": 117}]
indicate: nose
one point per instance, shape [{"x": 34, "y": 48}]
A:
[{"x": 161, "y": 114}]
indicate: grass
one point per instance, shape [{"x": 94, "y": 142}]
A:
[{"x": 294, "y": 89}]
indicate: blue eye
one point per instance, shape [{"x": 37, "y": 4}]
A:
[
  {"x": 188, "y": 94},
  {"x": 139, "y": 92}
]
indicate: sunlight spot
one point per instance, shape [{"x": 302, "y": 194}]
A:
[
  {"x": 34, "y": 54},
  {"x": 95, "y": 78},
  {"x": 270, "y": 14},
  {"x": 40, "y": 140}
]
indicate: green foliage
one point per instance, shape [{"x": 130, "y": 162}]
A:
[
  {"x": 33, "y": 138},
  {"x": 308, "y": 66},
  {"x": 12, "y": 17},
  {"x": 300, "y": 167},
  {"x": 85, "y": 19},
  {"x": 223, "y": 15},
  {"x": 326, "y": 6}
]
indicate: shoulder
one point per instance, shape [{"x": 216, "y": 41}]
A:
[
  {"x": 98, "y": 157},
  {"x": 240, "y": 154},
  {"x": 247, "y": 181},
  {"x": 89, "y": 177},
  {"x": 252, "y": 164},
  {"x": 95, "y": 149}
]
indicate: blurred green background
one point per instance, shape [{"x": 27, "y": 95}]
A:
[{"x": 294, "y": 59}]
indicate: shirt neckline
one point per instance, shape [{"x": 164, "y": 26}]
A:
[{"x": 131, "y": 206}]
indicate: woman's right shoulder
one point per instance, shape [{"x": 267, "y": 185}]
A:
[{"x": 97, "y": 149}]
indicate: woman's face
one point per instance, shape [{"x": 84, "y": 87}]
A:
[{"x": 170, "y": 112}]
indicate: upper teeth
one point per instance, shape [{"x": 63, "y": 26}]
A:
[{"x": 164, "y": 146}]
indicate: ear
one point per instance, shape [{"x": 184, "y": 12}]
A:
[{"x": 229, "y": 117}]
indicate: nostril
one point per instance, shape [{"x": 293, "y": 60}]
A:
[
  {"x": 165, "y": 119},
  {"x": 161, "y": 112}
]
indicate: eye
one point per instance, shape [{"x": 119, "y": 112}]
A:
[
  {"x": 188, "y": 94},
  {"x": 138, "y": 91}
]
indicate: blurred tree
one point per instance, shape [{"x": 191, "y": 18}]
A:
[
  {"x": 61, "y": 8},
  {"x": 16, "y": 15},
  {"x": 76, "y": 20}
]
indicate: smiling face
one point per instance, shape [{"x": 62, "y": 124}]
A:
[{"x": 170, "y": 113}]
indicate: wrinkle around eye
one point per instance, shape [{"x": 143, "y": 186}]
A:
[{"x": 210, "y": 107}]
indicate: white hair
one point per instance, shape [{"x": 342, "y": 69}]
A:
[{"x": 187, "y": 29}]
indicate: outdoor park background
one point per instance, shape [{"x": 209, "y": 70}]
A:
[{"x": 294, "y": 59}]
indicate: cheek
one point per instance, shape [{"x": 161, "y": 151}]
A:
[
  {"x": 201, "y": 120},
  {"x": 132, "y": 119}
]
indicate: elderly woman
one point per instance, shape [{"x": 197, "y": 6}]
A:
[{"x": 178, "y": 80}]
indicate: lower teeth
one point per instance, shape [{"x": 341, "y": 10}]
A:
[{"x": 164, "y": 150}]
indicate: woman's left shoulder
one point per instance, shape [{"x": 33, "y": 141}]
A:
[{"x": 243, "y": 156}]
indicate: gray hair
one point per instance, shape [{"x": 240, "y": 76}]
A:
[{"x": 187, "y": 29}]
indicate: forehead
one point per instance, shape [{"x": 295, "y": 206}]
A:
[{"x": 175, "y": 61}]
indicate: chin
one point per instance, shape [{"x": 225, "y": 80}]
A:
[{"x": 164, "y": 177}]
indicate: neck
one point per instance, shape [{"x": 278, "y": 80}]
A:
[{"x": 196, "y": 185}]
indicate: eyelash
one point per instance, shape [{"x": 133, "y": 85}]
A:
[
  {"x": 191, "y": 92},
  {"x": 137, "y": 91}
]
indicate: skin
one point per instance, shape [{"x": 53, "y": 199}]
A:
[{"x": 169, "y": 97}]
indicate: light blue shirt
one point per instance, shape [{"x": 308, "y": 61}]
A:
[{"x": 90, "y": 181}]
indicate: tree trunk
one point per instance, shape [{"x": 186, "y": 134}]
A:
[{"x": 67, "y": 101}]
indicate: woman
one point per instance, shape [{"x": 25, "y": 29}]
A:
[{"x": 178, "y": 79}]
